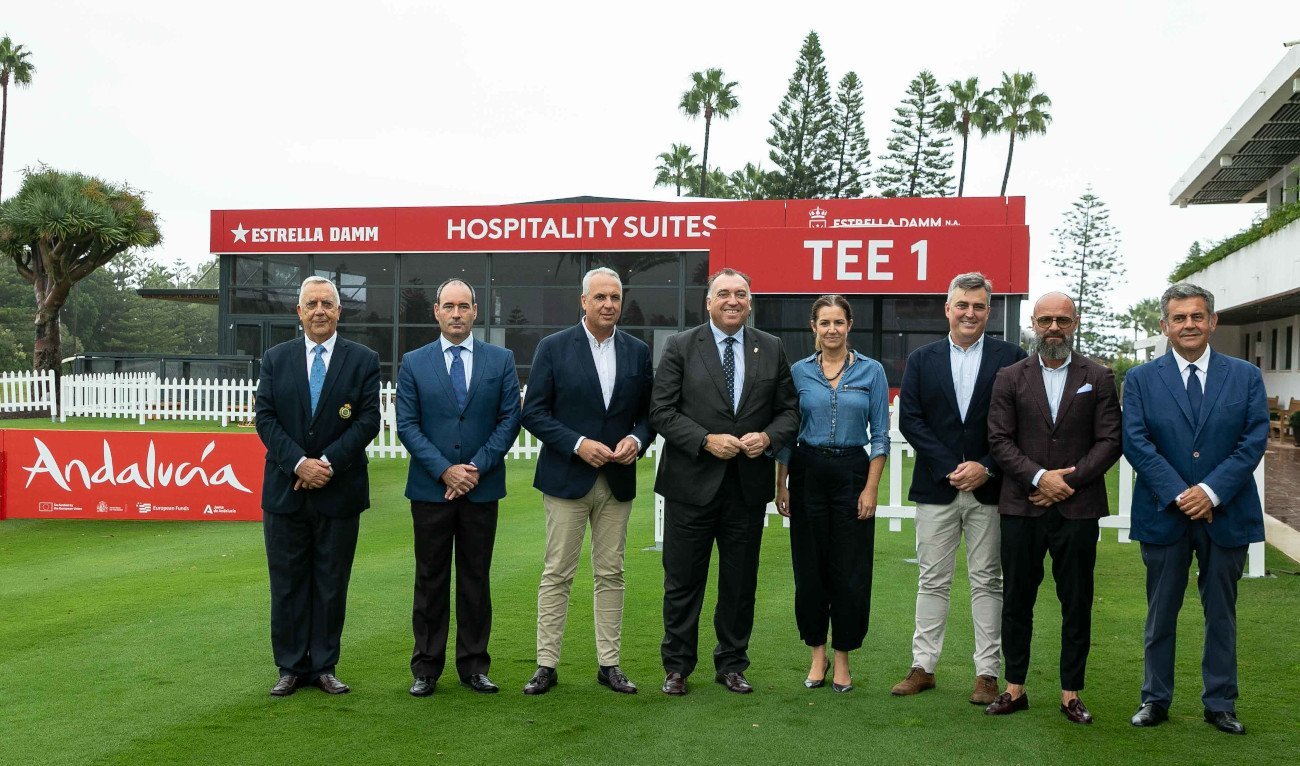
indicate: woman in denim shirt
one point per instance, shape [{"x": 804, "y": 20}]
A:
[{"x": 830, "y": 497}]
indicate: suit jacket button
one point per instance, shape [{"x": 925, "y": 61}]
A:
[
  {"x": 455, "y": 446},
  {"x": 311, "y": 433},
  {"x": 1196, "y": 454},
  {"x": 462, "y": 418}
]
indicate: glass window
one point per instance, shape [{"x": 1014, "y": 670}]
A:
[
  {"x": 279, "y": 333},
  {"x": 410, "y": 338},
  {"x": 913, "y": 314},
  {"x": 651, "y": 306},
  {"x": 436, "y": 268},
  {"x": 523, "y": 341},
  {"x": 545, "y": 269},
  {"x": 367, "y": 304},
  {"x": 264, "y": 300},
  {"x": 534, "y": 306},
  {"x": 275, "y": 270},
  {"x": 379, "y": 338},
  {"x": 415, "y": 304},
  {"x": 1289, "y": 345},
  {"x": 694, "y": 313},
  {"x": 696, "y": 268},
  {"x": 1272, "y": 354},
  {"x": 357, "y": 268},
  {"x": 652, "y": 268},
  {"x": 895, "y": 348},
  {"x": 248, "y": 339}
]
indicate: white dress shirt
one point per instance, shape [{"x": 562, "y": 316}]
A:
[
  {"x": 965, "y": 370},
  {"x": 466, "y": 356},
  {"x": 1202, "y": 372},
  {"x": 606, "y": 359}
]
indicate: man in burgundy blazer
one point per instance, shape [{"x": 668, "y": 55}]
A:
[{"x": 1054, "y": 428}]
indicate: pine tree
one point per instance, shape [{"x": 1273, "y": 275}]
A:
[
  {"x": 919, "y": 155},
  {"x": 849, "y": 138},
  {"x": 1087, "y": 259},
  {"x": 801, "y": 139}
]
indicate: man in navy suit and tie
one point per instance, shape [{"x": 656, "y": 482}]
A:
[
  {"x": 317, "y": 409},
  {"x": 943, "y": 413},
  {"x": 589, "y": 403},
  {"x": 1195, "y": 428},
  {"x": 458, "y": 415}
]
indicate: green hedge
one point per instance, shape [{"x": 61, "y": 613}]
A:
[{"x": 1274, "y": 221}]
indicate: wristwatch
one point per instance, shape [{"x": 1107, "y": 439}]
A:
[{"x": 989, "y": 472}]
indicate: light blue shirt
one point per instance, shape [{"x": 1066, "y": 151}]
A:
[
  {"x": 466, "y": 356},
  {"x": 1054, "y": 382},
  {"x": 853, "y": 413},
  {"x": 739, "y": 352},
  {"x": 965, "y": 369}
]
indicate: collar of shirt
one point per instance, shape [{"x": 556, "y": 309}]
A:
[
  {"x": 328, "y": 344},
  {"x": 467, "y": 344},
  {"x": 719, "y": 335},
  {"x": 598, "y": 344},
  {"x": 1063, "y": 366},
  {"x": 1202, "y": 364},
  {"x": 977, "y": 346}
]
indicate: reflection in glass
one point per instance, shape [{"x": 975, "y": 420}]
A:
[
  {"x": 694, "y": 313},
  {"x": 378, "y": 338},
  {"x": 533, "y": 306},
  {"x": 411, "y": 338},
  {"x": 270, "y": 270},
  {"x": 357, "y": 268},
  {"x": 415, "y": 304},
  {"x": 546, "y": 269},
  {"x": 650, "y": 306},
  {"x": 263, "y": 300},
  {"x": 648, "y": 268},
  {"x": 435, "y": 268}
]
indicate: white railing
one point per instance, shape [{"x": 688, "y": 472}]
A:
[
  {"x": 27, "y": 391},
  {"x": 145, "y": 396}
]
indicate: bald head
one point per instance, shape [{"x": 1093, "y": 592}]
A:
[
  {"x": 1054, "y": 304},
  {"x": 1054, "y": 320}
]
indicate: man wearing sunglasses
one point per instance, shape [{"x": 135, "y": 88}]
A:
[{"x": 1054, "y": 428}]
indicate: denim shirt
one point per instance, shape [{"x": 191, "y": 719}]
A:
[{"x": 855, "y": 413}]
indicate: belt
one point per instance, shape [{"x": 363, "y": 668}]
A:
[{"x": 831, "y": 451}]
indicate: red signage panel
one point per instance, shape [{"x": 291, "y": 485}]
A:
[
  {"x": 905, "y": 212},
  {"x": 344, "y": 230},
  {"x": 873, "y": 260},
  {"x": 132, "y": 475}
]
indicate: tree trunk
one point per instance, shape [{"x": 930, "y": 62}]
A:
[
  {"x": 1011, "y": 149},
  {"x": 961, "y": 183},
  {"x": 4, "y": 121},
  {"x": 704, "y": 169}
]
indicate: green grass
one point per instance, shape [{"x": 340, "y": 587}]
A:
[{"x": 147, "y": 642}]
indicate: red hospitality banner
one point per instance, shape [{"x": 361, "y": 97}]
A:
[
  {"x": 905, "y": 212},
  {"x": 132, "y": 475},
  {"x": 874, "y": 260}
]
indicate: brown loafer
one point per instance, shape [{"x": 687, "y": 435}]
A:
[
  {"x": 674, "y": 684},
  {"x": 916, "y": 682},
  {"x": 985, "y": 691},
  {"x": 286, "y": 685},
  {"x": 1075, "y": 712},
  {"x": 613, "y": 677},
  {"x": 330, "y": 684},
  {"x": 1005, "y": 704},
  {"x": 735, "y": 682}
]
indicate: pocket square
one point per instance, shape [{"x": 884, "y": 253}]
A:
[{"x": 1085, "y": 388}]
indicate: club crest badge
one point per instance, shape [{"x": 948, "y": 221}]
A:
[{"x": 345, "y": 411}]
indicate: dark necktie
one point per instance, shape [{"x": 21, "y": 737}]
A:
[
  {"x": 1194, "y": 392},
  {"x": 729, "y": 368},
  {"x": 458, "y": 377},
  {"x": 316, "y": 381}
]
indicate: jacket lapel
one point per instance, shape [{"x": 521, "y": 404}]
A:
[
  {"x": 623, "y": 364},
  {"x": 944, "y": 364},
  {"x": 1037, "y": 388},
  {"x": 438, "y": 368},
  {"x": 708, "y": 353},
  {"x": 1214, "y": 385},
  {"x": 587, "y": 364},
  {"x": 984, "y": 379},
  {"x": 752, "y": 357},
  {"x": 1074, "y": 378},
  {"x": 1174, "y": 382},
  {"x": 304, "y": 385}
]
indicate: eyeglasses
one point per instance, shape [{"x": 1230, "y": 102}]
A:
[{"x": 1061, "y": 322}]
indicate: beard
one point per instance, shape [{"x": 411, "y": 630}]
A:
[{"x": 1056, "y": 352}]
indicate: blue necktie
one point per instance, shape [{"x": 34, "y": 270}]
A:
[
  {"x": 729, "y": 368},
  {"x": 458, "y": 377},
  {"x": 316, "y": 381},
  {"x": 1194, "y": 392}
]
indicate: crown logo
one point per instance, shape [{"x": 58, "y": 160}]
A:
[{"x": 817, "y": 218}]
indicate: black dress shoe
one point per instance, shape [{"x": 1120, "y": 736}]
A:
[
  {"x": 735, "y": 682},
  {"x": 286, "y": 685},
  {"x": 612, "y": 676},
  {"x": 542, "y": 681},
  {"x": 1005, "y": 704},
  {"x": 1225, "y": 721},
  {"x": 841, "y": 688},
  {"x": 480, "y": 683},
  {"x": 1075, "y": 711},
  {"x": 674, "y": 684},
  {"x": 1150, "y": 714},
  {"x": 329, "y": 684},
  {"x": 423, "y": 686}
]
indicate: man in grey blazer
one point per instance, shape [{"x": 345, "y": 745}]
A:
[{"x": 724, "y": 401}]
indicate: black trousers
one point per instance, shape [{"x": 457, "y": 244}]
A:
[
  {"x": 689, "y": 534},
  {"x": 1072, "y": 544},
  {"x": 469, "y": 528},
  {"x": 832, "y": 551},
  {"x": 309, "y": 557}
]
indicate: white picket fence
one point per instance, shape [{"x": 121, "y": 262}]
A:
[{"x": 28, "y": 391}]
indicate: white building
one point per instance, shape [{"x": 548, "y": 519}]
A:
[{"x": 1256, "y": 159}]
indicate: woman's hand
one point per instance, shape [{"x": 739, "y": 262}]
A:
[
  {"x": 867, "y": 504},
  {"x": 783, "y": 500}
]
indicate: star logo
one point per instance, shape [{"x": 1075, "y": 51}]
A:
[{"x": 241, "y": 234}]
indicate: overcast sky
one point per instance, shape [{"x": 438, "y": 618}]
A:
[{"x": 323, "y": 104}]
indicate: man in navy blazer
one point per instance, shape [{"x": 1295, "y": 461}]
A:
[
  {"x": 589, "y": 403},
  {"x": 943, "y": 414},
  {"x": 458, "y": 415},
  {"x": 317, "y": 409},
  {"x": 1195, "y": 428}
]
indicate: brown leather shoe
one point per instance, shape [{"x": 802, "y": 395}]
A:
[
  {"x": 542, "y": 681},
  {"x": 1006, "y": 705},
  {"x": 735, "y": 682},
  {"x": 674, "y": 684},
  {"x": 1075, "y": 712},
  {"x": 916, "y": 682},
  {"x": 286, "y": 685},
  {"x": 613, "y": 677},
  {"x": 985, "y": 691},
  {"x": 329, "y": 684}
]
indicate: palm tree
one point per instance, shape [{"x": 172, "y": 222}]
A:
[
  {"x": 14, "y": 67},
  {"x": 750, "y": 182},
  {"x": 711, "y": 97},
  {"x": 965, "y": 108},
  {"x": 1020, "y": 112},
  {"x": 673, "y": 166}
]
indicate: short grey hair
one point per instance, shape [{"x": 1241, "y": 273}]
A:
[
  {"x": 971, "y": 280},
  {"x": 455, "y": 281},
  {"x": 1184, "y": 290},
  {"x": 316, "y": 279},
  {"x": 728, "y": 272},
  {"x": 599, "y": 270}
]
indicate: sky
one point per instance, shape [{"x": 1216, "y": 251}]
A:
[{"x": 370, "y": 104}]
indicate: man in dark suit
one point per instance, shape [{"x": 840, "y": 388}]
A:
[
  {"x": 458, "y": 415},
  {"x": 589, "y": 403},
  {"x": 724, "y": 402},
  {"x": 943, "y": 414},
  {"x": 317, "y": 409},
  {"x": 1054, "y": 429},
  {"x": 1195, "y": 428}
]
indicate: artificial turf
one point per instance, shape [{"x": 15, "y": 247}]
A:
[{"x": 148, "y": 642}]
